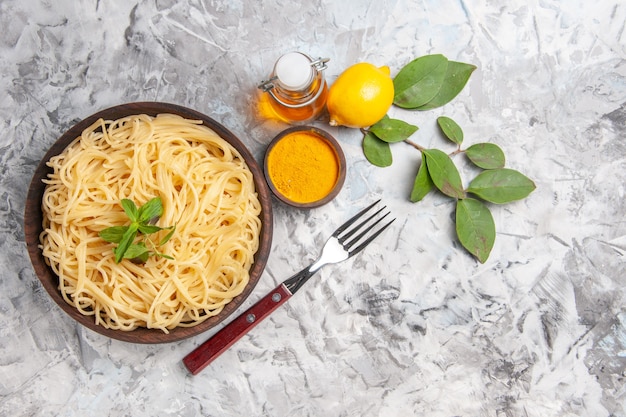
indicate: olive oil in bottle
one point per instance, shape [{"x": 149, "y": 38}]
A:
[{"x": 297, "y": 88}]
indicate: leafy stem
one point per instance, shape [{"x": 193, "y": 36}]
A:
[
  {"x": 133, "y": 241},
  {"x": 421, "y": 148},
  {"x": 415, "y": 145},
  {"x": 427, "y": 83}
]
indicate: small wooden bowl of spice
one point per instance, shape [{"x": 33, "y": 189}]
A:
[{"x": 305, "y": 167}]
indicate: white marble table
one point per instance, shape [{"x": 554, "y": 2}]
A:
[{"x": 414, "y": 325}]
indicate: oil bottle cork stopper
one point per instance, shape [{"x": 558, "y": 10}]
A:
[{"x": 294, "y": 71}]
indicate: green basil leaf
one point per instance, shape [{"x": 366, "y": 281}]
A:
[
  {"x": 475, "y": 227},
  {"x": 422, "y": 184},
  {"x": 130, "y": 209},
  {"x": 393, "y": 130},
  {"x": 168, "y": 236},
  {"x": 456, "y": 77},
  {"x": 419, "y": 81},
  {"x": 486, "y": 155},
  {"x": 152, "y": 209},
  {"x": 113, "y": 234},
  {"x": 143, "y": 258},
  {"x": 444, "y": 173},
  {"x": 148, "y": 229},
  {"x": 137, "y": 251},
  {"x": 376, "y": 151},
  {"x": 142, "y": 222},
  {"x": 127, "y": 240},
  {"x": 501, "y": 185},
  {"x": 450, "y": 129}
]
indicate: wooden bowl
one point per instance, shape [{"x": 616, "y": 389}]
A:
[
  {"x": 340, "y": 166},
  {"x": 33, "y": 217}
]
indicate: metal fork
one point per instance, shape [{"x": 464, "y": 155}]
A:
[{"x": 348, "y": 240}]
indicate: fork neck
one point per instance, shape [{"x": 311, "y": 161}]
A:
[
  {"x": 316, "y": 266},
  {"x": 296, "y": 281}
]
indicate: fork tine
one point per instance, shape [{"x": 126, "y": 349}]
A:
[
  {"x": 365, "y": 227},
  {"x": 348, "y": 240},
  {"x": 353, "y": 219},
  {"x": 356, "y": 228},
  {"x": 356, "y": 250}
]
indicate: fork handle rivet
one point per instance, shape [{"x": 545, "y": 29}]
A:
[
  {"x": 276, "y": 297},
  {"x": 250, "y": 318}
]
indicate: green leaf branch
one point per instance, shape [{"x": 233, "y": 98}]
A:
[
  {"x": 133, "y": 240},
  {"x": 426, "y": 83}
]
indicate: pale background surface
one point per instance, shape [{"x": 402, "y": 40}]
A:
[{"x": 414, "y": 325}]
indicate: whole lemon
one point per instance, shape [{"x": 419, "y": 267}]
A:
[{"x": 360, "y": 96}]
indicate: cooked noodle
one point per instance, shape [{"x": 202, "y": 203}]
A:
[{"x": 207, "y": 191}]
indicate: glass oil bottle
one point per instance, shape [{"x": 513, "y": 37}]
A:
[{"x": 297, "y": 88}]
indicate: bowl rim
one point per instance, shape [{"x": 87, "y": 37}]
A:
[
  {"x": 341, "y": 161},
  {"x": 33, "y": 225}
]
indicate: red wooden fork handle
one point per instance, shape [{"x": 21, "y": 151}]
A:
[{"x": 204, "y": 354}]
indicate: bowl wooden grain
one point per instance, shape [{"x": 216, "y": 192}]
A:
[
  {"x": 341, "y": 161},
  {"x": 33, "y": 217}
]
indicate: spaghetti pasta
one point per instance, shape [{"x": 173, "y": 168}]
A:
[{"x": 207, "y": 191}]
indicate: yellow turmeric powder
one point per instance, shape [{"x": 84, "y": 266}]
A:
[{"x": 303, "y": 167}]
